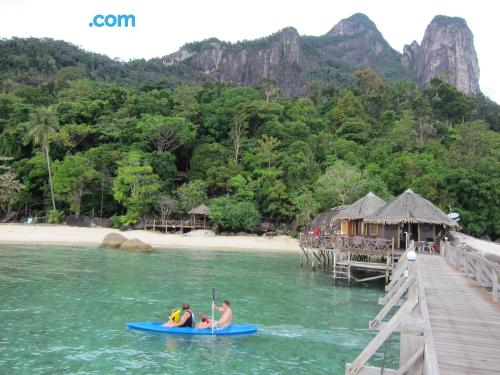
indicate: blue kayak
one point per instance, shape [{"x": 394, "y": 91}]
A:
[{"x": 233, "y": 329}]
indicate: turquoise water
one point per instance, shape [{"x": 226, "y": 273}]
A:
[{"x": 64, "y": 309}]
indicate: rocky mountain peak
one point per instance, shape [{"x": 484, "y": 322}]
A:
[
  {"x": 447, "y": 51},
  {"x": 356, "y": 24},
  {"x": 356, "y": 40},
  {"x": 289, "y": 32}
]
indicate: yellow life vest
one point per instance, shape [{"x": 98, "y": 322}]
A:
[{"x": 175, "y": 316}]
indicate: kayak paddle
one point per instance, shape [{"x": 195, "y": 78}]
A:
[{"x": 213, "y": 307}]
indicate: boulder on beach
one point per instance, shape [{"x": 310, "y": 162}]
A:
[
  {"x": 136, "y": 244},
  {"x": 201, "y": 233},
  {"x": 113, "y": 240}
]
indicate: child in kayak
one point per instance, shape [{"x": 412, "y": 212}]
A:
[
  {"x": 204, "y": 322},
  {"x": 175, "y": 316}
]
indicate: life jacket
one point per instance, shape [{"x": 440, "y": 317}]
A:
[{"x": 175, "y": 316}]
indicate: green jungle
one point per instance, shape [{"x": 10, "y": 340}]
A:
[{"x": 85, "y": 134}]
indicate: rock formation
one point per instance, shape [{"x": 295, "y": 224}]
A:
[
  {"x": 447, "y": 51},
  {"x": 135, "y": 244},
  {"x": 357, "y": 40},
  {"x": 279, "y": 57},
  {"x": 293, "y": 61},
  {"x": 113, "y": 240}
]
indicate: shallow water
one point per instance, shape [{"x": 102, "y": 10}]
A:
[{"x": 64, "y": 309}]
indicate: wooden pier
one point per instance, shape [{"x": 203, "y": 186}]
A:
[
  {"x": 448, "y": 319},
  {"x": 350, "y": 258},
  {"x": 178, "y": 225}
]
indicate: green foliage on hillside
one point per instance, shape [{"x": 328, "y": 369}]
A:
[{"x": 121, "y": 147}]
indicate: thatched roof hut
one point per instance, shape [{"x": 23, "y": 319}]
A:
[
  {"x": 362, "y": 207},
  {"x": 200, "y": 210},
  {"x": 326, "y": 221},
  {"x": 411, "y": 208}
]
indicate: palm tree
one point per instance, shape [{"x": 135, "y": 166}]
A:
[{"x": 42, "y": 125}]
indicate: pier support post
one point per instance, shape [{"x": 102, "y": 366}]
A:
[{"x": 335, "y": 267}]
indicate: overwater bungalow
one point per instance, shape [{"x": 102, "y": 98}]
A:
[
  {"x": 352, "y": 217},
  {"x": 372, "y": 235},
  {"x": 325, "y": 224},
  {"x": 409, "y": 217}
]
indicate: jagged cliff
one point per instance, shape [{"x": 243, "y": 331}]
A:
[
  {"x": 293, "y": 60},
  {"x": 279, "y": 57},
  {"x": 447, "y": 51}
]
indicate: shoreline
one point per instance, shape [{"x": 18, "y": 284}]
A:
[{"x": 56, "y": 234}]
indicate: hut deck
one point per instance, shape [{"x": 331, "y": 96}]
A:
[{"x": 465, "y": 322}]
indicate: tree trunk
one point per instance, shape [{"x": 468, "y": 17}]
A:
[
  {"x": 50, "y": 178},
  {"x": 102, "y": 194}
]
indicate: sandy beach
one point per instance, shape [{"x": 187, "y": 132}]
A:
[{"x": 65, "y": 235}]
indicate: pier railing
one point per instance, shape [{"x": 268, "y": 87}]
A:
[
  {"x": 485, "y": 272},
  {"x": 180, "y": 224},
  {"x": 417, "y": 351},
  {"x": 354, "y": 244}
]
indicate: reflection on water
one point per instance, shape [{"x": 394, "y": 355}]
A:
[{"x": 63, "y": 310}]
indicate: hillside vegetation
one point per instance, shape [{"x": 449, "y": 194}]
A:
[{"x": 122, "y": 141}]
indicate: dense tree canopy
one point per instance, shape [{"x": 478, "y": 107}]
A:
[{"x": 248, "y": 153}]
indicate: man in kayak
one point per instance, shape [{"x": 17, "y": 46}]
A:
[
  {"x": 226, "y": 318},
  {"x": 187, "y": 319}
]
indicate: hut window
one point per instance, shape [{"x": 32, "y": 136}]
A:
[{"x": 373, "y": 229}]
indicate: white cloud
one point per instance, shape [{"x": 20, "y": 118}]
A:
[{"x": 162, "y": 26}]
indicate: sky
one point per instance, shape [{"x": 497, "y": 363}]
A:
[{"x": 163, "y": 26}]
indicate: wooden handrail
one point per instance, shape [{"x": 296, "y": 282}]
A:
[
  {"x": 415, "y": 315},
  {"x": 430, "y": 357},
  {"x": 392, "y": 302},
  {"x": 361, "y": 244},
  {"x": 485, "y": 272}
]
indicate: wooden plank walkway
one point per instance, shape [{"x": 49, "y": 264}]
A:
[{"x": 464, "y": 320}]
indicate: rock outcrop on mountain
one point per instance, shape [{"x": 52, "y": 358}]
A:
[
  {"x": 293, "y": 61},
  {"x": 447, "y": 51},
  {"x": 279, "y": 57},
  {"x": 357, "y": 40}
]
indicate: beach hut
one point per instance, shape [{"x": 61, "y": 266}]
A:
[
  {"x": 200, "y": 210},
  {"x": 412, "y": 214},
  {"x": 352, "y": 217},
  {"x": 327, "y": 222}
]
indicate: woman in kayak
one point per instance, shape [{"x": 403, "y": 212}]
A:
[{"x": 187, "y": 319}]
